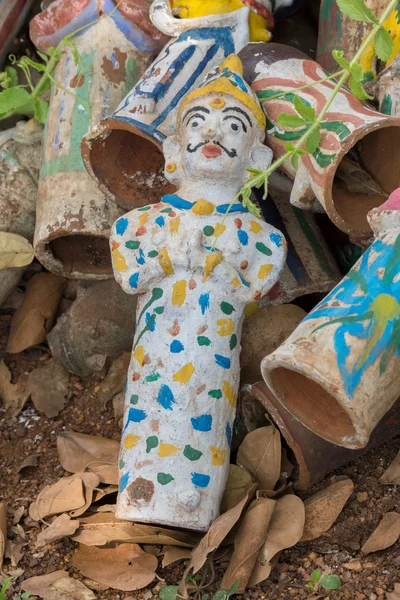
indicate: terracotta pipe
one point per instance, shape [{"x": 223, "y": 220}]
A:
[{"x": 349, "y": 125}]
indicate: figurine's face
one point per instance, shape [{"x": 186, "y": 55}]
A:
[{"x": 217, "y": 135}]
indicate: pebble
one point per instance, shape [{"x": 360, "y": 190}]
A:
[
  {"x": 362, "y": 496},
  {"x": 353, "y": 565},
  {"x": 372, "y": 596},
  {"x": 148, "y": 594}
]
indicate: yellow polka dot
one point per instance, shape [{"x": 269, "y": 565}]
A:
[
  {"x": 144, "y": 217},
  {"x": 219, "y": 229},
  {"x": 229, "y": 393},
  {"x": 174, "y": 225},
  {"x": 217, "y": 103},
  {"x": 165, "y": 450},
  {"x": 119, "y": 261},
  {"x": 139, "y": 355},
  {"x": 179, "y": 293},
  {"x": 184, "y": 374},
  {"x": 218, "y": 456},
  {"x": 235, "y": 282},
  {"x": 203, "y": 207},
  {"x": 212, "y": 260},
  {"x": 264, "y": 271},
  {"x": 251, "y": 308},
  {"x": 255, "y": 227},
  {"x": 225, "y": 327},
  {"x": 165, "y": 261},
  {"x": 131, "y": 441},
  {"x": 170, "y": 167}
]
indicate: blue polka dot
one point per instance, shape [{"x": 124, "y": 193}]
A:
[
  {"x": 165, "y": 397},
  {"x": 228, "y": 432},
  {"x": 123, "y": 482},
  {"x": 222, "y": 361},
  {"x": 276, "y": 239},
  {"x": 200, "y": 480},
  {"x": 204, "y": 301},
  {"x": 121, "y": 226},
  {"x": 152, "y": 320},
  {"x": 202, "y": 423},
  {"x": 133, "y": 280},
  {"x": 140, "y": 259},
  {"x": 243, "y": 237},
  {"x": 160, "y": 221},
  {"x": 135, "y": 415},
  {"x": 176, "y": 347}
]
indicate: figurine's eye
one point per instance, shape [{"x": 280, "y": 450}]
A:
[
  {"x": 234, "y": 127},
  {"x": 195, "y": 124}
]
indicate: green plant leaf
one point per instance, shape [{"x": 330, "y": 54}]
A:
[
  {"x": 32, "y": 63},
  {"x": 313, "y": 140},
  {"x": 13, "y": 100},
  {"x": 307, "y": 112},
  {"x": 233, "y": 588},
  {"x": 43, "y": 56},
  {"x": 169, "y": 592},
  {"x": 357, "y": 72},
  {"x": 342, "y": 62},
  {"x": 12, "y": 76},
  {"x": 383, "y": 44},
  {"x": 357, "y": 10},
  {"x": 330, "y": 582},
  {"x": 220, "y": 595},
  {"x": 295, "y": 161},
  {"x": 251, "y": 207},
  {"x": 315, "y": 576},
  {"x": 357, "y": 89},
  {"x": 286, "y": 120},
  {"x": 41, "y": 109}
]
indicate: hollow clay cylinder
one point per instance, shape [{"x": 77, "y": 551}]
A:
[
  {"x": 73, "y": 216},
  {"x": 338, "y": 372},
  {"x": 354, "y": 137},
  {"x": 123, "y": 153}
]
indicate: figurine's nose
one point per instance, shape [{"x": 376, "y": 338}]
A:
[{"x": 211, "y": 133}]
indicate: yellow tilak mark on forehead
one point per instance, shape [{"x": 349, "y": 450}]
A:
[
  {"x": 139, "y": 355},
  {"x": 229, "y": 393},
  {"x": 218, "y": 456},
  {"x": 131, "y": 441},
  {"x": 203, "y": 207},
  {"x": 179, "y": 293},
  {"x": 210, "y": 263},
  {"x": 167, "y": 450},
  {"x": 217, "y": 103},
  {"x": 183, "y": 375},
  {"x": 165, "y": 261}
]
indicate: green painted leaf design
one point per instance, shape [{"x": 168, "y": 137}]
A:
[
  {"x": 226, "y": 308},
  {"x": 202, "y": 340},
  {"x": 217, "y": 394},
  {"x": 151, "y": 442},
  {"x": 132, "y": 244},
  {"x": 233, "y": 341}
]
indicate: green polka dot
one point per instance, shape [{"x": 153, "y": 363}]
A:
[
  {"x": 144, "y": 208},
  {"x": 151, "y": 442},
  {"x": 263, "y": 248},
  {"x": 159, "y": 310},
  {"x": 152, "y": 254},
  {"x": 226, "y": 308},
  {"x": 132, "y": 244},
  {"x": 166, "y": 210},
  {"x": 208, "y": 230},
  {"x": 134, "y": 399},
  {"x": 215, "y": 394},
  {"x": 164, "y": 478},
  {"x": 233, "y": 341},
  {"x": 202, "y": 340},
  {"x": 191, "y": 453},
  {"x": 121, "y": 464},
  {"x": 153, "y": 377}
]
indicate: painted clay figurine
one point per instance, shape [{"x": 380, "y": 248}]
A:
[{"x": 196, "y": 259}]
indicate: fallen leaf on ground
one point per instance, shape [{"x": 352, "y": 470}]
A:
[
  {"x": 324, "y": 507},
  {"x": 236, "y": 487},
  {"x": 15, "y": 250},
  {"x": 3, "y": 532},
  {"x": 126, "y": 567},
  {"x": 78, "y": 452},
  {"x": 174, "y": 554},
  {"x": 102, "y": 492},
  {"x": 248, "y": 542},
  {"x": 33, "y": 320},
  {"x": 392, "y": 473},
  {"x": 285, "y": 530},
  {"x": 104, "y": 528},
  {"x": 90, "y": 481},
  {"x": 30, "y": 461},
  {"x": 395, "y": 595},
  {"x": 260, "y": 453},
  {"x": 115, "y": 380},
  {"x": 49, "y": 386},
  {"x": 60, "y": 528},
  {"x": 14, "y": 395},
  {"x": 385, "y": 535},
  {"x": 57, "y": 586},
  {"x": 18, "y": 514},
  {"x": 64, "y": 495},
  {"x": 14, "y": 551}
]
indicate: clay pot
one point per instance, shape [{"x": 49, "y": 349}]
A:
[
  {"x": 73, "y": 215},
  {"x": 123, "y": 153},
  {"x": 338, "y": 372},
  {"x": 374, "y": 138}
]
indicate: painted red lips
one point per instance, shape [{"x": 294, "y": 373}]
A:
[{"x": 211, "y": 151}]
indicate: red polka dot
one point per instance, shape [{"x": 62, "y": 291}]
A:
[
  {"x": 141, "y": 231},
  {"x": 244, "y": 264},
  {"x": 238, "y": 223}
]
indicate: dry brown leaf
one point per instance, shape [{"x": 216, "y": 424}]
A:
[
  {"x": 14, "y": 395},
  {"x": 104, "y": 528},
  {"x": 126, "y": 567},
  {"x": 236, "y": 487},
  {"x": 64, "y": 495},
  {"x": 3, "y": 532},
  {"x": 385, "y": 535},
  {"x": 34, "y": 319},
  {"x": 15, "y": 250},
  {"x": 285, "y": 530},
  {"x": 14, "y": 551},
  {"x": 392, "y": 473},
  {"x": 102, "y": 492},
  {"x": 324, "y": 507},
  {"x": 248, "y": 542},
  {"x": 260, "y": 453},
  {"x": 61, "y": 527},
  {"x": 174, "y": 554},
  {"x": 30, "y": 461},
  {"x": 90, "y": 481},
  {"x": 78, "y": 452},
  {"x": 18, "y": 514},
  {"x": 49, "y": 386},
  {"x": 115, "y": 380},
  {"x": 57, "y": 586},
  {"x": 395, "y": 595}
]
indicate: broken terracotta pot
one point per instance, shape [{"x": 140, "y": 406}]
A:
[
  {"x": 99, "y": 325},
  {"x": 338, "y": 372},
  {"x": 123, "y": 153},
  {"x": 73, "y": 215},
  {"x": 315, "y": 457},
  {"x": 386, "y": 89},
  {"x": 354, "y": 138},
  {"x": 20, "y": 157}
]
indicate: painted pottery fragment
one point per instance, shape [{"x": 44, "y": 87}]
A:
[
  {"x": 196, "y": 259},
  {"x": 115, "y": 45},
  {"x": 355, "y": 138},
  {"x": 338, "y": 372}
]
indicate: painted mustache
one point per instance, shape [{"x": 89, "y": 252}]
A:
[{"x": 231, "y": 153}]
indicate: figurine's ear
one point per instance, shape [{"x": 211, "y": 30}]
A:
[
  {"x": 172, "y": 155},
  {"x": 261, "y": 157}
]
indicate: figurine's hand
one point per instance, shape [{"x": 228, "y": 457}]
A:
[{"x": 195, "y": 249}]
